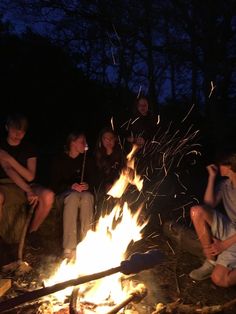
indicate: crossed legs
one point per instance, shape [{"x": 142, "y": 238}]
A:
[{"x": 202, "y": 217}]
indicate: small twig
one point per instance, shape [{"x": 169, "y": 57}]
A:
[
  {"x": 177, "y": 281},
  {"x": 73, "y": 301}
]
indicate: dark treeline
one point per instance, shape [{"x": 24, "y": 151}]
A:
[
  {"x": 39, "y": 80},
  {"x": 172, "y": 50},
  {"x": 80, "y": 63}
]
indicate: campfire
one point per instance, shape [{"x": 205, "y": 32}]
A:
[
  {"x": 98, "y": 281},
  {"x": 104, "y": 248}
]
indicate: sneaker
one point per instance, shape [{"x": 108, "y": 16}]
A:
[
  {"x": 202, "y": 272},
  {"x": 70, "y": 255}
]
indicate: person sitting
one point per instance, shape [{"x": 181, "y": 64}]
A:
[
  {"x": 18, "y": 170},
  {"x": 109, "y": 161},
  {"x": 217, "y": 231},
  {"x": 72, "y": 181},
  {"x": 109, "y": 158}
]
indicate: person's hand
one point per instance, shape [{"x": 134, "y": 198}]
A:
[
  {"x": 32, "y": 198},
  {"x": 80, "y": 187},
  {"x": 215, "y": 248},
  {"x": 212, "y": 170}
]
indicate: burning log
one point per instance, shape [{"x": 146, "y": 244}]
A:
[
  {"x": 135, "y": 296},
  {"x": 136, "y": 263}
]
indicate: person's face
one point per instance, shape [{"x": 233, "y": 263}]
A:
[
  {"x": 79, "y": 144},
  {"x": 108, "y": 141},
  {"x": 142, "y": 106},
  {"x": 15, "y": 136},
  {"x": 224, "y": 170}
]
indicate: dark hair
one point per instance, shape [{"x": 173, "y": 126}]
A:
[
  {"x": 100, "y": 151},
  {"x": 227, "y": 158},
  {"x": 136, "y": 101},
  {"x": 101, "y": 133},
  {"x": 72, "y": 137},
  {"x": 17, "y": 121}
]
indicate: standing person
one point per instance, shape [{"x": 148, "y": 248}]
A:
[
  {"x": 18, "y": 169},
  {"x": 143, "y": 123},
  {"x": 71, "y": 179},
  {"x": 217, "y": 232}
]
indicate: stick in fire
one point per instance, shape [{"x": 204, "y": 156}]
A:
[
  {"x": 137, "y": 262},
  {"x": 135, "y": 296}
]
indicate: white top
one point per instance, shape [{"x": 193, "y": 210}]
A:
[{"x": 227, "y": 193}]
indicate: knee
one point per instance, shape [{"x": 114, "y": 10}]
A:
[
  {"x": 73, "y": 197},
  {"x": 48, "y": 197},
  {"x": 87, "y": 197},
  {"x": 196, "y": 212},
  {"x": 220, "y": 281}
]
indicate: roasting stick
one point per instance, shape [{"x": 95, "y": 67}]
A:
[
  {"x": 83, "y": 165},
  {"x": 136, "y": 263}
]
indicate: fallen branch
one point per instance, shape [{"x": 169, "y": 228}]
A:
[{"x": 178, "y": 307}]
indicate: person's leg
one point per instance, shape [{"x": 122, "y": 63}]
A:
[
  {"x": 86, "y": 213},
  {"x": 70, "y": 214},
  {"x": 45, "y": 202},
  {"x": 223, "y": 276},
  {"x": 202, "y": 218}
]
